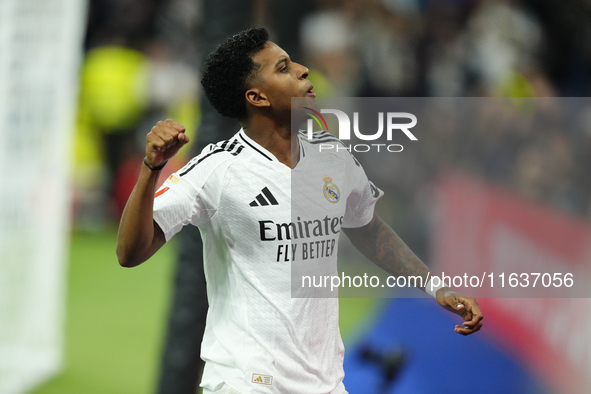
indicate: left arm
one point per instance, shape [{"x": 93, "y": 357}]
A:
[{"x": 379, "y": 243}]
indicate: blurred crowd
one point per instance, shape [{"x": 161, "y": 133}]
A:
[
  {"x": 536, "y": 149},
  {"x": 143, "y": 57}
]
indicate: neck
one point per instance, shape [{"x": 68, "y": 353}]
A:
[{"x": 276, "y": 138}]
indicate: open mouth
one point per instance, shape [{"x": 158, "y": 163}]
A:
[{"x": 310, "y": 93}]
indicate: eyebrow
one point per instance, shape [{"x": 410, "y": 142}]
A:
[{"x": 283, "y": 60}]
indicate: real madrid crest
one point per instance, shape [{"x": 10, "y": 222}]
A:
[{"x": 331, "y": 191}]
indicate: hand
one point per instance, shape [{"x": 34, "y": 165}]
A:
[
  {"x": 164, "y": 141},
  {"x": 461, "y": 305}
]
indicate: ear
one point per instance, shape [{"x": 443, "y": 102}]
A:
[{"x": 256, "y": 98}]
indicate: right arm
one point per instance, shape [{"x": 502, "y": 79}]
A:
[{"x": 139, "y": 235}]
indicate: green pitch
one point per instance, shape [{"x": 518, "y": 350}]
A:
[{"x": 116, "y": 319}]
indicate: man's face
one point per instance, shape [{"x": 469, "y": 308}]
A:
[{"x": 279, "y": 79}]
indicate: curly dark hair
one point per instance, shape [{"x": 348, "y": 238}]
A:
[{"x": 227, "y": 69}]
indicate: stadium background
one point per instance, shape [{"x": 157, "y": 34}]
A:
[{"x": 139, "y": 64}]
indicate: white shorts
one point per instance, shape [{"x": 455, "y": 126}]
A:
[{"x": 225, "y": 389}]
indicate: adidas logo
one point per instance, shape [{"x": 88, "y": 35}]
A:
[
  {"x": 262, "y": 379},
  {"x": 264, "y": 198}
]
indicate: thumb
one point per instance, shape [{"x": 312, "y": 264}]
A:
[
  {"x": 183, "y": 138},
  {"x": 455, "y": 305}
]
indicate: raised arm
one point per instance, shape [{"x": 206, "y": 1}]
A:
[
  {"x": 379, "y": 243},
  {"x": 139, "y": 235}
]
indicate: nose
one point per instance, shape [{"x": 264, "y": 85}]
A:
[{"x": 303, "y": 72}]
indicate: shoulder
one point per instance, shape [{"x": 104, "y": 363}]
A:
[
  {"x": 327, "y": 145},
  {"x": 319, "y": 137},
  {"x": 214, "y": 158}
]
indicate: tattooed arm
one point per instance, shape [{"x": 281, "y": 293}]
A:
[{"x": 379, "y": 243}]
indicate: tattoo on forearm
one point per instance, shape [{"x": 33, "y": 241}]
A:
[{"x": 385, "y": 248}]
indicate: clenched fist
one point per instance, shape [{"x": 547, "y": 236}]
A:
[{"x": 164, "y": 141}]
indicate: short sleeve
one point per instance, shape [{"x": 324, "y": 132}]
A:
[
  {"x": 362, "y": 197},
  {"x": 190, "y": 195}
]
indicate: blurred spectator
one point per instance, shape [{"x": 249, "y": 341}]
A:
[
  {"x": 328, "y": 47},
  {"x": 502, "y": 37},
  {"x": 113, "y": 98}
]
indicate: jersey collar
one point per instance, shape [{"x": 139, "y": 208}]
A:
[
  {"x": 262, "y": 151},
  {"x": 255, "y": 146}
]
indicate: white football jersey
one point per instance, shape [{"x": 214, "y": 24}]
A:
[{"x": 262, "y": 223}]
